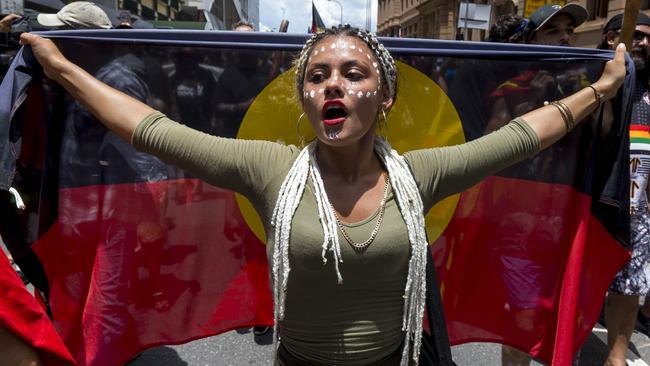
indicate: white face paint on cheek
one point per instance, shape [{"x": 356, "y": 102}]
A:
[
  {"x": 351, "y": 92},
  {"x": 312, "y": 93},
  {"x": 320, "y": 91},
  {"x": 322, "y": 49},
  {"x": 359, "y": 94}
]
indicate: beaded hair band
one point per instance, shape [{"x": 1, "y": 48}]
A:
[{"x": 385, "y": 60}]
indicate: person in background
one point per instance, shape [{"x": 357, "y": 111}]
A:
[
  {"x": 509, "y": 28},
  {"x": 76, "y": 15},
  {"x": 243, "y": 26},
  {"x": 633, "y": 281},
  {"x": 6, "y": 21}
]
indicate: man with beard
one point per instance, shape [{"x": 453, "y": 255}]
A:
[{"x": 633, "y": 280}]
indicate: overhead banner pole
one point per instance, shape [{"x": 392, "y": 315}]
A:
[{"x": 629, "y": 22}]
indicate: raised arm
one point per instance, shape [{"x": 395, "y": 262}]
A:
[
  {"x": 441, "y": 172},
  {"x": 240, "y": 165},
  {"x": 117, "y": 111}
]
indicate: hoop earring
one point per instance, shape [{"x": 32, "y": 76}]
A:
[
  {"x": 382, "y": 123},
  {"x": 301, "y": 139}
]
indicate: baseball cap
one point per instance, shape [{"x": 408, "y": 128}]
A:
[
  {"x": 77, "y": 15},
  {"x": 617, "y": 22},
  {"x": 543, "y": 14}
]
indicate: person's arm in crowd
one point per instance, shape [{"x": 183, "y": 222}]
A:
[
  {"x": 116, "y": 110},
  {"x": 547, "y": 121},
  {"x": 5, "y": 23}
]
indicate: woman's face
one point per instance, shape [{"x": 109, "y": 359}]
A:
[{"x": 343, "y": 93}]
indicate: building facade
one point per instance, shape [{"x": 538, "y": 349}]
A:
[
  {"x": 438, "y": 19},
  {"x": 431, "y": 18},
  {"x": 152, "y": 9},
  {"x": 218, "y": 14}
]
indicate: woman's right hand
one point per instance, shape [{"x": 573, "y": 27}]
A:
[{"x": 46, "y": 52}]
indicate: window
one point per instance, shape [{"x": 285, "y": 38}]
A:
[{"x": 598, "y": 8}]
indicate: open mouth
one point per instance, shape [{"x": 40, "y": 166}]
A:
[{"x": 334, "y": 112}]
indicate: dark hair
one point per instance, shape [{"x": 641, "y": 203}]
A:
[
  {"x": 508, "y": 28},
  {"x": 243, "y": 23}
]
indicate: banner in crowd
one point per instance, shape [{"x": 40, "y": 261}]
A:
[{"x": 129, "y": 252}]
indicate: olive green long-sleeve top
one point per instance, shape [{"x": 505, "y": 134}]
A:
[{"x": 358, "y": 322}]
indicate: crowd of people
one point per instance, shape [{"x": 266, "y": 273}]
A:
[{"x": 550, "y": 25}]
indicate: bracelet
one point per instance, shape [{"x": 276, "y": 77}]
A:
[
  {"x": 566, "y": 114},
  {"x": 599, "y": 97}
]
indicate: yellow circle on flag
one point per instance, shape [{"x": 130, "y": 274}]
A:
[{"x": 422, "y": 116}]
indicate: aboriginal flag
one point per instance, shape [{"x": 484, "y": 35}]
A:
[
  {"x": 317, "y": 23},
  {"x": 130, "y": 252}
]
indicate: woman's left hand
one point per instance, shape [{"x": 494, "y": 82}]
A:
[{"x": 613, "y": 74}]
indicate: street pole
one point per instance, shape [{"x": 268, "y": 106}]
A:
[
  {"x": 629, "y": 22},
  {"x": 340, "y": 7},
  {"x": 466, "y": 15}
]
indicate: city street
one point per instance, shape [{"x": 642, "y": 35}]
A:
[{"x": 242, "y": 348}]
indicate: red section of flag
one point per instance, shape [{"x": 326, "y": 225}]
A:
[
  {"x": 524, "y": 263},
  {"x": 136, "y": 265},
  {"x": 21, "y": 315},
  {"x": 639, "y": 128}
]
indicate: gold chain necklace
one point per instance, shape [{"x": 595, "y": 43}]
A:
[{"x": 360, "y": 247}]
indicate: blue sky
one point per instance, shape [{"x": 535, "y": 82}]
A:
[{"x": 298, "y": 12}]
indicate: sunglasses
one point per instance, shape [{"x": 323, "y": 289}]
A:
[{"x": 639, "y": 36}]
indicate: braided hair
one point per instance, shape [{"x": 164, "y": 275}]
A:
[{"x": 388, "y": 70}]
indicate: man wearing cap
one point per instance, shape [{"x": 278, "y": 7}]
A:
[
  {"x": 553, "y": 24},
  {"x": 633, "y": 280},
  {"x": 76, "y": 15}
]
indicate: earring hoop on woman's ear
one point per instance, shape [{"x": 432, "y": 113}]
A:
[
  {"x": 383, "y": 113},
  {"x": 300, "y": 138}
]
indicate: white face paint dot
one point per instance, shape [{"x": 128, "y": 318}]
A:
[
  {"x": 312, "y": 93},
  {"x": 322, "y": 49},
  {"x": 359, "y": 49},
  {"x": 374, "y": 93},
  {"x": 333, "y": 45},
  {"x": 315, "y": 53},
  {"x": 359, "y": 94},
  {"x": 352, "y": 46},
  {"x": 374, "y": 64},
  {"x": 368, "y": 56},
  {"x": 351, "y": 92},
  {"x": 320, "y": 90},
  {"x": 368, "y": 95}
]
